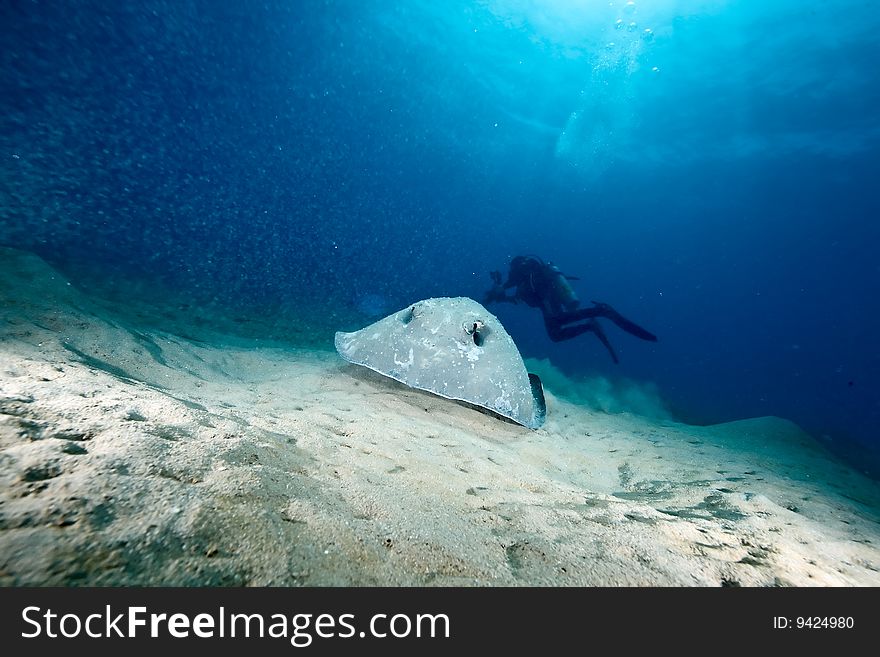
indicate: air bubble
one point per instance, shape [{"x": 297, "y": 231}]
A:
[{"x": 632, "y": 27}]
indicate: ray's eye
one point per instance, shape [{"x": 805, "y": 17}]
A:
[{"x": 479, "y": 333}]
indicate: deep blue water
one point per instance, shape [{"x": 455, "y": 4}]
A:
[{"x": 715, "y": 179}]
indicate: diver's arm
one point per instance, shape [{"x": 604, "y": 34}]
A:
[
  {"x": 503, "y": 298},
  {"x": 496, "y": 293}
]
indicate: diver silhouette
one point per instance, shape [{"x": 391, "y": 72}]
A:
[{"x": 542, "y": 285}]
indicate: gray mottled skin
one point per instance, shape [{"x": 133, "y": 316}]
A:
[{"x": 433, "y": 345}]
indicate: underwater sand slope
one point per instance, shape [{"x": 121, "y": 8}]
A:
[{"x": 131, "y": 455}]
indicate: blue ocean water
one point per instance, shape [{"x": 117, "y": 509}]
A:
[{"x": 708, "y": 167}]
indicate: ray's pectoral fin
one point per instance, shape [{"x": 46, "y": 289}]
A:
[{"x": 538, "y": 396}]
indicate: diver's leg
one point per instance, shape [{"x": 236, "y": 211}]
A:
[
  {"x": 596, "y": 328},
  {"x": 554, "y": 329},
  {"x": 604, "y": 310},
  {"x": 558, "y": 333},
  {"x": 578, "y": 315}
]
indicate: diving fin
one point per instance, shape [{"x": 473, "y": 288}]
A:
[
  {"x": 630, "y": 327},
  {"x": 596, "y": 328}
]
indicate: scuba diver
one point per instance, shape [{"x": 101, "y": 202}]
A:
[{"x": 542, "y": 285}]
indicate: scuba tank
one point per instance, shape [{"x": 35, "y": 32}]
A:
[{"x": 561, "y": 288}]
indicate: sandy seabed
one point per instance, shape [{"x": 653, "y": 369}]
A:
[{"x": 131, "y": 455}]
